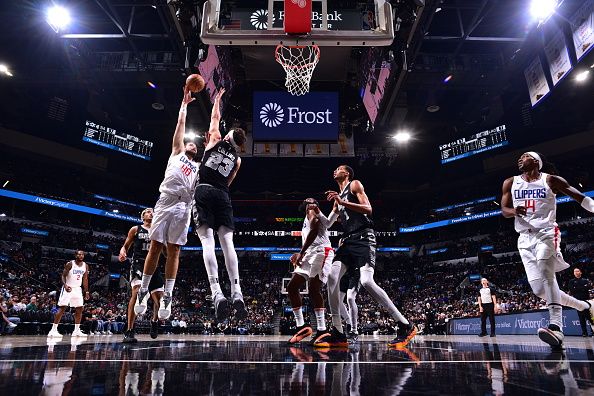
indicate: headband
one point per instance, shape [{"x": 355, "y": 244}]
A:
[
  {"x": 535, "y": 155},
  {"x": 232, "y": 140}
]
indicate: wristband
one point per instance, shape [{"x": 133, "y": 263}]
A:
[
  {"x": 588, "y": 204},
  {"x": 183, "y": 110}
]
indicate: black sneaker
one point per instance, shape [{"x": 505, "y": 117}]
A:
[
  {"x": 404, "y": 335},
  {"x": 154, "y": 329},
  {"x": 300, "y": 333},
  {"x": 332, "y": 339},
  {"x": 221, "y": 305},
  {"x": 352, "y": 337},
  {"x": 319, "y": 335},
  {"x": 483, "y": 335},
  {"x": 129, "y": 337}
]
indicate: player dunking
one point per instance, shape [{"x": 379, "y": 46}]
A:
[
  {"x": 356, "y": 253},
  {"x": 312, "y": 264},
  {"x": 530, "y": 199},
  {"x": 213, "y": 210},
  {"x": 172, "y": 214},
  {"x": 74, "y": 277},
  {"x": 138, "y": 239}
]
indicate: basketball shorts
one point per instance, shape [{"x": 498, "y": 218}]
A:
[
  {"x": 317, "y": 261},
  {"x": 350, "y": 280},
  {"x": 357, "y": 249},
  {"x": 543, "y": 244},
  {"x": 171, "y": 220},
  {"x": 73, "y": 299},
  {"x": 155, "y": 285},
  {"x": 212, "y": 207}
]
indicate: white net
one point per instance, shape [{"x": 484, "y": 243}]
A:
[{"x": 299, "y": 63}]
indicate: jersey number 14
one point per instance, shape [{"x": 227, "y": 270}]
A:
[{"x": 530, "y": 204}]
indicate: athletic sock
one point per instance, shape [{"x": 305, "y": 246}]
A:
[
  {"x": 169, "y": 283},
  {"x": 146, "y": 280},
  {"x": 215, "y": 287},
  {"x": 55, "y": 327},
  {"x": 337, "y": 322},
  {"x": 298, "y": 312},
  {"x": 77, "y": 327},
  {"x": 320, "y": 318}
]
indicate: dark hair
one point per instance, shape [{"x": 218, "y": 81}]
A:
[
  {"x": 79, "y": 250},
  {"x": 239, "y": 136},
  {"x": 350, "y": 171},
  {"x": 547, "y": 167},
  {"x": 308, "y": 201}
]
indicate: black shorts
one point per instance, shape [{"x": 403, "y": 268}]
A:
[
  {"x": 212, "y": 207},
  {"x": 350, "y": 280},
  {"x": 136, "y": 269},
  {"x": 357, "y": 249}
]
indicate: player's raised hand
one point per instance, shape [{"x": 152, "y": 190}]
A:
[
  {"x": 520, "y": 211},
  {"x": 187, "y": 96},
  {"x": 331, "y": 195},
  {"x": 220, "y": 94}
]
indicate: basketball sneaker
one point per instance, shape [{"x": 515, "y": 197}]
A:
[
  {"x": 404, "y": 335},
  {"x": 300, "y": 333},
  {"x": 552, "y": 335},
  {"x": 154, "y": 329},
  {"x": 318, "y": 336},
  {"x": 331, "y": 340},
  {"x": 78, "y": 333},
  {"x": 165, "y": 306},
  {"x": 221, "y": 305},
  {"x": 54, "y": 334},
  {"x": 141, "y": 302},
  {"x": 239, "y": 306},
  {"x": 352, "y": 337},
  {"x": 129, "y": 337},
  {"x": 12, "y": 325},
  {"x": 591, "y": 312}
]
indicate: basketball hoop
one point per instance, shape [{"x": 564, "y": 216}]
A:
[{"x": 299, "y": 63}]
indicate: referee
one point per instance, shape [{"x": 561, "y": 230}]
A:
[
  {"x": 487, "y": 302},
  {"x": 580, "y": 288}
]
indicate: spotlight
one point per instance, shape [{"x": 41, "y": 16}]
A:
[
  {"x": 4, "y": 70},
  {"x": 190, "y": 136},
  {"x": 115, "y": 211},
  {"x": 5, "y": 183},
  {"x": 447, "y": 79},
  {"x": 58, "y": 18},
  {"x": 583, "y": 76},
  {"x": 151, "y": 84},
  {"x": 402, "y": 137},
  {"x": 541, "y": 10}
]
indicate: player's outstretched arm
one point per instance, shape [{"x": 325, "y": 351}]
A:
[
  {"x": 234, "y": 173},
  {"x": 214, "y": 134},
  {"x": 507, "y": 203},
  {"x": 126, "y": 246},
  {"x": 560, "y": 185},
  {"x": 327, "y": 222},
  {"x": 180, "y": 129}
]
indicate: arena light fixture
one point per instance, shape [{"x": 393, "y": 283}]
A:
[
  {"x": 448, "y": 79},
  {"x": 541, "y": 10},
  {"x": 115, "y": 211},
  {"x": 190, "y": 136},
  {"x": 402, "y": 137},
  {"x": 5, "y": 183},
  {"x": 4, "y": 70},
  {"x": 583, "y": 76},
  {"x": 58, "y": 18},
  {"x": 151, "y": 84}
]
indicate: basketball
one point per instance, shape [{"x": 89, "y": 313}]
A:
[{"x": 195, "y": 82}]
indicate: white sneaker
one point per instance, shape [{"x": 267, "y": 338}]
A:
[
  {"x": 553, "y": 337},
  {"x": 78, "y": 333},
  {"x": 109, "y": 332},
  {"x": 591, "y": 312},
  {"x": 141, "y": 302},
  {"x": 54, "y": 334},
  {"x": 165, "y": 306},
  {"x": 12, "y": 325}
]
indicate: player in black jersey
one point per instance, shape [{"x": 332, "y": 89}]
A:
[
  {"x": 213, "y": 210},
  {"x": 356, "y": 253},
  {"x": 138, "y": 239}
]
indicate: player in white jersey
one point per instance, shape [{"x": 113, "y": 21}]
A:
[
  {"x": 312, "y": 264},
  {"x": 74, "y": 277},
  {"x": 171, "y": 214},
  {"x": 530, "y": 198}
]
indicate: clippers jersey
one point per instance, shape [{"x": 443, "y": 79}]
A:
[
  {"x": 321, "y": 240},
  {"x": 75, "y": 275},
  {"x": 539, "y": 201},
  {"x": 352, "y": 221},
  {"x": 141, "y": 243},
  {"x": 180, "y": 176},
  {"x": 218, "y": 164}
]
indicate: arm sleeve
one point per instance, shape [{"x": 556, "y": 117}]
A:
[{"x": 328, "y": 221}]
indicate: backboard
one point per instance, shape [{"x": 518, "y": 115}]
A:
[{"x": 261, "y": 23}]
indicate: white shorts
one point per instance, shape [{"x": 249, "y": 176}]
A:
[
  {"x": 316, "y": 262},
  {"x": 541, "y": 244},
  {"x": 73, "y": 299},
  {"x": 171, "y": 220}
]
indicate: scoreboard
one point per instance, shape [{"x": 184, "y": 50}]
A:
[
  {"x": 112, "y": 139},
  {"x": 475, "y": 144}
]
